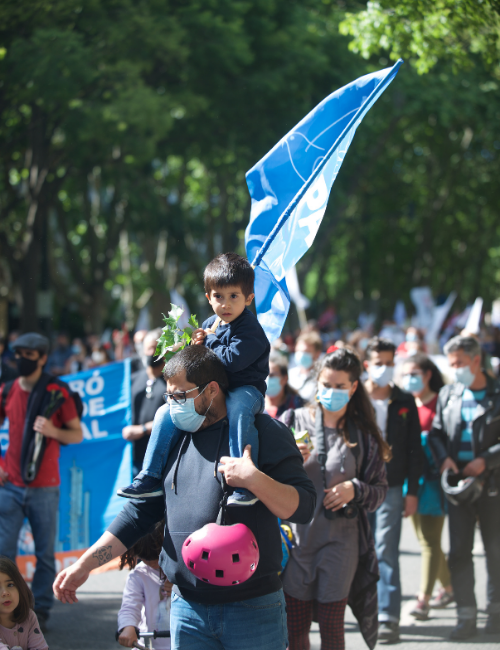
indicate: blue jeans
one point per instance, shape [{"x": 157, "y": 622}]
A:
[
  {"x": 40, "y": 507},
  {"x": 243, "y": 404},
  {"x": 163, "y": 438},
  {"x": 386, "y": 527},
  {"x": 244, "y": 625}
]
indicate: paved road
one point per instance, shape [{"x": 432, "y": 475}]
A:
[{"x": 91, "y": 624}]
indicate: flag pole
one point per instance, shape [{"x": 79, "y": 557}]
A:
[{"x": 294, "y": 202}]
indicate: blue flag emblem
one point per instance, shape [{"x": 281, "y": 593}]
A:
[{"x": 290, "y": 187}]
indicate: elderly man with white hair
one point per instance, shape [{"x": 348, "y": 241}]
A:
[{"x": 465, "y": 438}]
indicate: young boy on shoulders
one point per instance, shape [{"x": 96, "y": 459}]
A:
[{"x": 237, "y": 338}]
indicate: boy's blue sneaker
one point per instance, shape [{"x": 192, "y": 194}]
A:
[
  {"x": 144, "y": 487},
  {"x": 243, "y": 498}
]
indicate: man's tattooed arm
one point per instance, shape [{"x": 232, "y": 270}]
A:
[{"x": 103, "y": 554}]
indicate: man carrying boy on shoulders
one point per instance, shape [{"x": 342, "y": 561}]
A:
[
  {"x": 237, "y": 338},
  {"x": 243, "y": 616}
]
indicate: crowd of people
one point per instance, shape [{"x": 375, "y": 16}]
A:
[{"x": 338, "y": 437}]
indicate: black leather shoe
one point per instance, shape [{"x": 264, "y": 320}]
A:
[
  {"x": 388, "y": 632},
  {"x": 492, "y": 625},
  {"x": 464, "y": 630}
]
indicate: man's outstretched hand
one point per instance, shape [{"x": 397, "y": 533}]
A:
[{"x": 68, "y": 581}]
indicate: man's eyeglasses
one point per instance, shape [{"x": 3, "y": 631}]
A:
[{"x": 180, "y": 398}]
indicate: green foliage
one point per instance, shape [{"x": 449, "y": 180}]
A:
[
  {"x": 173, "y": 338},
  {"x": 428, "y": 31},
  {"x": 126, "y": 129}
]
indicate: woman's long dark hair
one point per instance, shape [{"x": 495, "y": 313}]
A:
[
  {"x": 22, "y": 611},
  {"x": 359, "y": 409},
  {"x": 424, "y": 363},
  {"x": 147, "y": 548}
]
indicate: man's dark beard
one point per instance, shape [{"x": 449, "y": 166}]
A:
[{"x": 212, "y": 416}]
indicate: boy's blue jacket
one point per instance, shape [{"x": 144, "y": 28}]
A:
[{"x": 243, "y": 348}]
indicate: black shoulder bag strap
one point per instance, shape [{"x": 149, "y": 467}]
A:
[
  {"x": 223, "y": 518},
  {"x": 319, "y": 433}
]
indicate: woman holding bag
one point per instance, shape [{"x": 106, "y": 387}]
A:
[{"x": 333, "y": 561}]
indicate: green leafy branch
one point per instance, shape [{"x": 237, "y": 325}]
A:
[{"x": 173, "y": 338}]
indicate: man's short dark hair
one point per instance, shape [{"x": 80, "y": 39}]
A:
[
  {"x": 229, "y": 270},
  {"x": 377, "y": 344},
  {"x": 201, "y": 365}
]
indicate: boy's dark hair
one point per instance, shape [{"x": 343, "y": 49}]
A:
[
  {"x": 229, "y": 270},
  {"x": 201, "y": 365},
  {"x": 377, "y": 344},
  {"x": 147, "y": 548},
  {"x": 22, "y": 611}
]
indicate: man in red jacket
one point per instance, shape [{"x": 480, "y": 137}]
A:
[{"x": 25, "y": 402}]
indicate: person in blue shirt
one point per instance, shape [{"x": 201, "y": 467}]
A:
[
  {"x": 465, "y": 437},
  {"x": 237, "y": 338}
]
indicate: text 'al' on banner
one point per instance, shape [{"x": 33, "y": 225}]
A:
[{"x": 290, "y": 187}]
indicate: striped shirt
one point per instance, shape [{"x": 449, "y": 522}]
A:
[{"x": 470, "y": 400}]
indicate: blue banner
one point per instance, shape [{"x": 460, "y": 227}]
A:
[
  {"x": 290, "y": 187},
  {"x": 92, "y": 471}
]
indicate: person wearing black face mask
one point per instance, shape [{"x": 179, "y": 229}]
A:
[
  {"x": 148, "y": 387},
  {"x": 42, "y": 414}
]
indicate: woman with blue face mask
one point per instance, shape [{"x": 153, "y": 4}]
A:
[
  {"x": 423, "y": 380},
  {"x": 302, "y": 377},
  {"x": 346, "y": 465},
  {"x": 280, "y": 396}
]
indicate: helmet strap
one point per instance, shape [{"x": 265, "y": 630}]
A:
[{"x": 222, "y": 518}]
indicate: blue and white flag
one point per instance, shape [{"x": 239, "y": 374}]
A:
[{"x": 290, "y": 187}]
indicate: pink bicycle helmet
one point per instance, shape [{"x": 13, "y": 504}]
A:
[{"x": 221, "y": 555}]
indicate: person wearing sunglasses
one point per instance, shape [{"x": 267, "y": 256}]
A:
[
  {"x": 148, "y": 387},
  {"x": 423, "y": 380}
]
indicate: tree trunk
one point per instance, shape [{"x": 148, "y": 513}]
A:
[
  {"x": 29, "y": 276},
  {"x": 94, "y": 323}
]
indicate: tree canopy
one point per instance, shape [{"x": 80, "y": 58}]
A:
[
  {"x": 428, "y": 31},
  {"x": 126, "y": 129}
]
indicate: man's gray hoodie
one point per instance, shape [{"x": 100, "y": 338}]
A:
[{"x": 193, "y": 493}]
